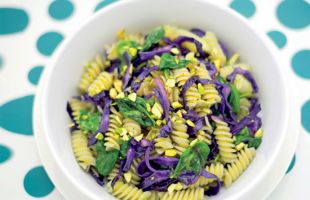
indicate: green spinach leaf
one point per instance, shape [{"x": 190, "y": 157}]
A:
[
  {"x": 135, "y": 110},
  {"x": 168, "y": 61},
  {"x": 124, "y": 46},
  {"x": 244, "y": 136},
  {"x": 154, "y": 37},
  {"x": 105, "y": 160},
  {"x": 124, "y": 148},
  {"x": 255, "y": 142},
  {"x": 89, "y": 121},
  {"x": 193, "y": 159},
  {"x": 234, "y": 99}
]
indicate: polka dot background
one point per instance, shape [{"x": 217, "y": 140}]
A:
[{"x": 32, "y": 33}]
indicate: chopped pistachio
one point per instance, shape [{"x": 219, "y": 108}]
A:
[
  {"x": 259, "y": 133},
  {"x": 139, "y": 137},
  {"x": 113, "y": 93},
  {"x": 190, "y": 123},
  {"x": 179, "y": 113},
  {"x": 133, "y": 52},
  {"x": 201, "y": 89},
  {"x": 132, "y": 97},
  {"x": 118, "y": 84},
  {"x": 175, "y": 51},
  {"x": 99, "y": 136},
  {"x": 170, "y": 152},
  {"x": 120, "y": 95},
  {"x": 128, "y": 177},
  {"x": 176, "y": 105}
]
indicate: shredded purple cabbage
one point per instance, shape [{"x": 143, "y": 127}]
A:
[
  {"x": 246, "y": 74},
  {"x": 210, "y": 67},
  {"x": 182, "y": 39},
  {"x": 127, "y": 75},
  {"x": 99, "y": 178},
  {"x": 119, "y": 174},
  {"x": 147, "y": 55},
  {"x": 198, "y": 32},
  {"x": 98, "y": 99},
  {"x": 214, "y": 190},
  {"x": 115, "y": 64},
  {"x": 162, "y": 97},
  {"x": 166, "y": 129},
  {"x": 135, "y": 85},
  {"x": 130, "y": 155},
  {"x": 104, "y": 125},
  {"x": 199, "y": 124}
]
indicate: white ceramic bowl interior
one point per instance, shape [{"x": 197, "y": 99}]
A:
[{"x": 61, "y": 78}]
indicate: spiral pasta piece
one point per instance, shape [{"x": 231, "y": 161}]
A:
[
  {"x": 114, "y": 172},
  {"x": 112, "y": 139},
  {"x": 134, "y": 178},
  {"x": 179, "y": 135},
  {"x": 234, "y": 170},
  {"x": 225, "y": 141},
  {"x": 126, "y": 191},
  {"x": 76, "y": 106},
  {"x": 192, "y": 96},
  {"x": 162, "y": 144},
  {"x": 146, "y": 88},
  {"x": 181, "y": 76},
  {"x": 132, "y": 127},
  {"x": 191, "y": 193},
  {"x": 204, "y": 136},
  {"x": 202, "y": 72},
  {"x": 91, "y": 72},
  {"x": 82, "y": 153},
  {"x": 103, "y": 82}
]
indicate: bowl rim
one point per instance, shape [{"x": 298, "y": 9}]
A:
[{"x": 51, "y": 161}]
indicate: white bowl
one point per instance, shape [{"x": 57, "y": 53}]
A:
[{"x": 61, "y": 77}]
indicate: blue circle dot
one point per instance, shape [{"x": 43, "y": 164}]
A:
[
  {"x": 244, "y": 7},
  {"x": 294, "y": 13},
  {"x": 13, "y": 20},
  {"x": 48, "y": 42},
  {"x": 5, "y": 153},
  {"x": 301, "y": 63},
  {"x": 37, "y": 183},
  {"x": 292, "y": 164},
  {"x": 35, "y": 74},
  {"x": 278, "y": 38},
  {"x": 305, "y": 116},
  {"x": 104, "y": 3},
  {"x": 60, "y": 9}
]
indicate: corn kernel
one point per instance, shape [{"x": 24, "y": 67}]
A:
[
  {"x": 170, "y": 82},
  {"x": 233, "y": 59},
  {"x": 112, "y": 54},
  {"x": 240, "y": 146},
  {"x": 175, "y": 51},
  {"x": 139, "y": 137},
  {"x": 132, "y": 97},
  {"x": 99, "y": 136},
  {"x": 170, "y": 152},
  {"x": 133, "y": 52},
  {"x": 201, "y": 90},
  {"x": 183, "y": 111},
  {"x": 179, "y": 113},
  {"x": 85, "y": 117},
  {"x": 113, "y": 93},
  {"x": 190, "y": 123},
  {"x": 176, "y": 105},
  {"x": 148, "y": 107},
  {"x": 120, "y": 95},
  {"x": 128, "y": 177},
  {"x": 259, "y": 133}
]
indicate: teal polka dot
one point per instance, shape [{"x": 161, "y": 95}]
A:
[
  {"x": 278, "y": 38},
  {"x": 301, "y": 63},
  {"x": 13, "y": 20},
  {"x": 60, "y": 9},
  {"x": 305, "y": 116},
  {"x": 244, "y": 7},
  {"x": 35, "y": 74},
  {"x": 48, "y": 42},
  {"x": 37, "y": 183},
  {"x": 5, "y": 153},
  {"x": 104, "y": 3},
  {"x": 294, "y": 13},
  {"x": 1, "y": 62},
  {"x": 16, "y": 115},
  {"x": 292, "y": 164}
]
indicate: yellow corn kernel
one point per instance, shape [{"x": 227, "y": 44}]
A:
[
  {"x": 85, "y": 117},
  {"x": 176, "y": 105},
  {"x": 259, "y": 133},
  {"x": 201, "y": 89},
  {"x": 170, "y": 82},
  {"x": 132, "y": 97},
  {"x": 170, "y": 152},
  {"x": 217, "y": 63},
  {"x": 148, "y": 107},
  {"x": 175, "y": 51},
  {"x": 139, "y": 137},
  {"x": 128, "y": 177},
  {"x": 113, "y": 93},
  {"x": 118, "y": 84},
  {"x": 193, "y": 142},
  {"x": 233, "y": 59},
  {"x": 99, "y": 136},
  {"x": 133, "y": 52},
  {"x": 240, "y": 146},
  {"x": 179, "y": 113},
  {"x": 190, "y": 123},
  {"x": 120, "y": 95},
  {"x": 121, "y": 34}
]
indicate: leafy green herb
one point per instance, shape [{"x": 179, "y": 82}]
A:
[
  {"x": 135, "y": 110},
  {"x": 221, "y": 79},
  {"x": 193, "y": 159},
  {"x": 244, "y": 136},
  {"x": 168, "y": 61},
  {"x": 89, "y": 121},
  {"x": 154, "y": 37},
  {"x": 234, "y": 99},
  {"x": 124, "y": 46},
  {"x": 124, "y": 148},
  {"x": 105, "y": 160}
]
